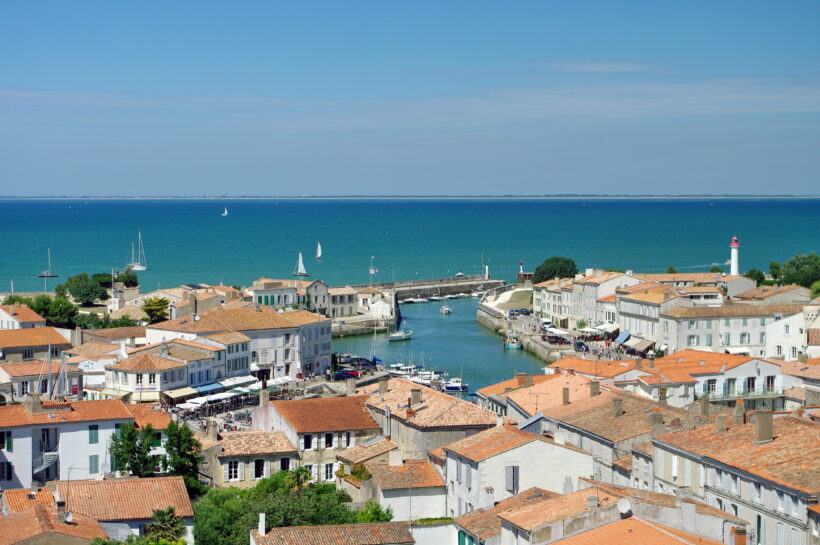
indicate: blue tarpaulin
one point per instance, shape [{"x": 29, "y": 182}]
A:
[
  {"x": 208, "y": 388},
  {"x": 622, "y": 337}
]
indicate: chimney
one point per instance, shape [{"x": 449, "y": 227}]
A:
[
  {"x": 415, "y": 396},
  {"x": 32, "y": 493},
  {"x": 261, "y": 526},
  {"x": 499, "y": 420},
  {"x": 350, "y": 387},
  {"x": 383, "y": 385},
  {"x": 60, "y": 512},
  {"x": 650, "y": 363},
  {"x": 720, "y": 423},
  {"x": 594, "y": 388},
  {"x": 395, "y": 458},
  {"x": 211, "y": 431},
  {"x": 565, "y": 393},
  {"x": 656, "y": 422},
  {"x": 592, "y": 502},
  {"x": 570, "y": 371},
  {"x": 639, "y": 363},
  {"x": 739, "y": 412},
  {"x": 662, "y": 395},
  {"x": 764, "y": 426},
  {"x": 740, "y": 535},
  {"x": 617, "y": 407},
  {"x": 35, "y": 407},
  {"x": 264, "y": 397},
  {"x": 528, "y": 381},
  {"x": 704, "y": 406}
]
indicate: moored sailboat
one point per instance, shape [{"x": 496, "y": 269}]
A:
[
  {"x": 300, "y": 267},
  {"x": 140, "y": 263}
]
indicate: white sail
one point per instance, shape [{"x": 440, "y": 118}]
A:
[
  {"x": 225, "y": 212},
  {"x": 300, "y": 267},
  {"x": 141, "y": 263},
  {"x": 318, "y": 250}
]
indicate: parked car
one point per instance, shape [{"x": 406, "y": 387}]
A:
[
  {"x": 344, "y": 375},
  {"x": 581, "y": 346}
]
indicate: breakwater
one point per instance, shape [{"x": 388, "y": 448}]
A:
[{"x": 435, "y": 287}]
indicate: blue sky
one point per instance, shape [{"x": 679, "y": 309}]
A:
[{"x": 408, "y": 98}]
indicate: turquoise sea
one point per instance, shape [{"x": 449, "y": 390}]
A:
[{"x": 187, "y": 241}]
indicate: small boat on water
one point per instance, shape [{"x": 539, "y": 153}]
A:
[
  {"x": 224, "y": 212},
  {"x": 511, "y": 341},
  {"x": 400, "y": 335},
  {"x": 451, "y": 296},
  {"x": 454, "y": 385},
  {"x": 401, "y": 370},
  {"x": 477, "y": 294},
  {"x": 140, "y": 263},
  {"x": 462, "y": 295},
  {"x": 445, "y": 309},
  {"x": 48, "y": 273},
  {"x": 300, "y": 267},
  {"x": 435, "y": 298},
  {"x": 318, "y": 251},
  {"x": 415, "y": 300}
]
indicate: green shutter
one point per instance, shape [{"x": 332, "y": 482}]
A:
[
  {"x": 93, "y": 464},
  {"x": 157, "y": 441},
  {"x": 117, "y": 428},
  {"x": 93, "y": 434},
  {"x": 9, "y": 442},
  {"x": 462, "y": 539}
]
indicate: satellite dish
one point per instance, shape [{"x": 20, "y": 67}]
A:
[
  {"x": 69, "y": 517},
  {"x": 624, "y": 507}
]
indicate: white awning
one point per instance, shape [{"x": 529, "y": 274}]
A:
[
  {"x": 237, "y": 381},
  {"x": 738, "y": 351},
  {"x": 632, "y": 342},
  {"x": 556, "y": 331},
  {"x": 607, "y": 328},
  {"x": 589, "y": 330}
]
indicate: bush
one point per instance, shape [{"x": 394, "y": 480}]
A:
[{"x": 554, "y": 267}]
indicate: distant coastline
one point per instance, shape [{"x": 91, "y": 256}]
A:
[{"x": 403, "y": 197}]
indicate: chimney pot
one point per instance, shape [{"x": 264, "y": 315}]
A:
[
  {"x": 528, "y": 381},
  {"x": 704, "y": 406},
  {"x": 740, "y": 412},
  {"x": 639, "y": 363},
  {"x": 594, "y": 388},
  {"x": 261, "y": 527},
  {"x": 60, "y": 512},
  {"x": 415, "y": 396},
  {"x": 565, "y": 393},
  {"x": 720, "y": 423},
  {"x": 264, "y": 397},
  {"x": 764, "y": 426},
  {"x": 592, "y": 502},
  {"x": 383, "y": 385},
  {"x": 350, "y": 387}
]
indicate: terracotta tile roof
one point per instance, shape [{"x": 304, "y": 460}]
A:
[
  {"x": 625, "y": 462},
  {"x": 438, "y": 453},
  {"x": 595, "y": 415},
  {"x": 645, "y": 448},
  {"x": 813, "y": 336},
  {"x": 326, "y": 414},
  {"x": 248, "y": 443},
  {"x": 596, "y": 279},
  {"x": 119, "y": 332},
  {"x": 346, "y": 290},
  {"x": 790, "y": 459},
  {"x": 149, "y": 413},
  {"x": 22, "y": 313},
  {"x": 94, "y": 349},
  {"x": 732, "y": 310},
  {"x": 550, "y": 393},
  {"x": 125, "y": 499},
  {"x": 640, "y": 287},
  {"x": 608, "y": 299},
  {"x": 797, "y": 393},
  {"x": 554, "y": 283},
  {"x": 411, "y": 474},
  {"x": 34, "y": 368},
  {"x": 800, "y": 369},
  {"x": 656, "y": 379},
  {"x": 491, "y": 442},
  {"x": 652, "y": 295},
  {"x": 529, "y": 517},
  {"x": 484, "y": 523},
  {"x": 359, "y": 454},
  {"x": 34, "y": 336},
  {"x": 436, "y": 410},
  {"x": 38, "y": 520},
  {"x": 229, "y": 337},
  {"x": 697, "y": 278},
  {"x": 602, "y": 369},
  {"x": 145, "y": 362},
  {"x": 381, "y": 533},
  {"x": 635, "y": 531},
  {"x": 703, "y": 358},
  {"x": 135, "y": 313},
  {"x": 764, "y": 292},
  {"x": 241, "y": 319},
  {"x": 19, "y": 499},
  {"x": 180, "y": 348},
  {"x": 13, "y": 416},
  {"x": 815, "y": 508},
  {"x": 517, "y": 381}
]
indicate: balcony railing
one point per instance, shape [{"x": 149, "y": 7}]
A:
[
  {"x": 741, "y": 394},
  {"x": 44, "y": 461}
]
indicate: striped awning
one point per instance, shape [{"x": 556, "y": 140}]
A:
[{"x": 181, "y": 392}]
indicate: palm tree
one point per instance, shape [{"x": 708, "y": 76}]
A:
[
  {"x": 298, "y": 478},
  {"x": 165, "y": 525}
]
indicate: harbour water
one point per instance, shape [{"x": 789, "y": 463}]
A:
[{"x": 454, "y": 343}]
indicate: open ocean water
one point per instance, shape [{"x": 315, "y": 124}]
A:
[{"x": 187, "y": 241}]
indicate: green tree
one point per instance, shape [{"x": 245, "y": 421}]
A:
[
  {"x": 103, "y": 279},
  {"x": 61, "y": 312},
  {"x": 756, "y": 275},
  {"x": 131, "y": 449},
  {"x": 555, "y": 267},
  {"x": 165, "y": 525},
  {"x": 715, "y": 270},
  {"x": 156, "y": 308},
  {"x": 373, "y": 512},
  {"x": 815, "y": 290},
  {"x": 85, "y": 290},
  {"x": 802, "y": 269},
  {"x": 671, "y": 270},
  {"x": 183, "y": 453},
  {"x": 128, "y": 277},
  {"x": 775, "y": 271},
  {"x": 298, "y": 478},
  {"x": 222, "y": 517},
  {"x": 11, "y": 299}
]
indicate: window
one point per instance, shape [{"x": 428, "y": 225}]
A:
[
  {"x": 6, "y": 473},
  {"x": 780, "y": 500},
  {"x": 258, "y": 469},
  {"x": 6, "y": 442},
  {"x": 758, "y": 493},
  {"x": 28, "y": 353},
  {"x": 770, "y": 382},
  {"x": 232, "y": 470},
  {"x": 692, "y": 340},
  {"x": 308, "y": 441},
  {"x": 329, "y": 440},
  {"x": 751, "y": 384},
  {"x": 745, "y": 321},
  {"x": 458, "y": 470},
  {"x": 310, "y": 470},
  {"x": 779, "y": 350},
  {"x": 511, "y": 479},
  {"x": 794, "y": 352},
  {"x": 693, "y": 324},
  {"x": 93, "y": 434},
  {"x": 711, "y": 384},
  {"x": 745, "y": 338},
  {"x": 93, "y": 464},
  {"x": 328, "y": 472},
  {"x": 152, "y": 378},
  {"x": 284, "y": 464},
  {"x": 727, "y": 338},
  {"x": 762, "y": 337},
  {"x": 43, "y": 386},
  {"x": 139, "y": 379},
  {"x": 709, "y": 339},
  {"x": 735, "y": 484},
  {"x": 23, "y": 389},
  {"x": 727, "y": 322},
  {"x": 781, "y": 533},
  {"x": 787, "y": 329},
  {"x": 348, "y": 436}
]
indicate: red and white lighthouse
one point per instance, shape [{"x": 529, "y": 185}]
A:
[{"x": 734, "y": 259}]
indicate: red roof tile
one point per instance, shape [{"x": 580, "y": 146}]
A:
[
  {"x": 126, "y": 499},
  {"x": 635, "y": 531},
  {"x": 382, "y": 533},
  {"x": 149, "y": 413},
  {"x": 326, "y": 414},
  {"x": 38, "y": 520},
  {"x": 411, "y": 474},
  {"x": 18, "y": 499},
  {"x": 491, "y": 442},
  {"x": 80, "y": 411},
  {"x": 22, "y": 313},
  {"x": 34, "y": 336}
]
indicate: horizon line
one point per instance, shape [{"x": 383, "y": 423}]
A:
[{"x": 557, "y": 196}]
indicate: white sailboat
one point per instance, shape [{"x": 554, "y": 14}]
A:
[
  {"x": 318, "y": 251},
  {"x": 300, "y": 267},
  {"x": 224, "y": 212},
  {"x": 140, "y": 263},
  {"x": 48, "y": 273}
]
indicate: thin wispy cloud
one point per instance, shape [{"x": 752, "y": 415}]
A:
[{"x": 598, "y": 67}]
